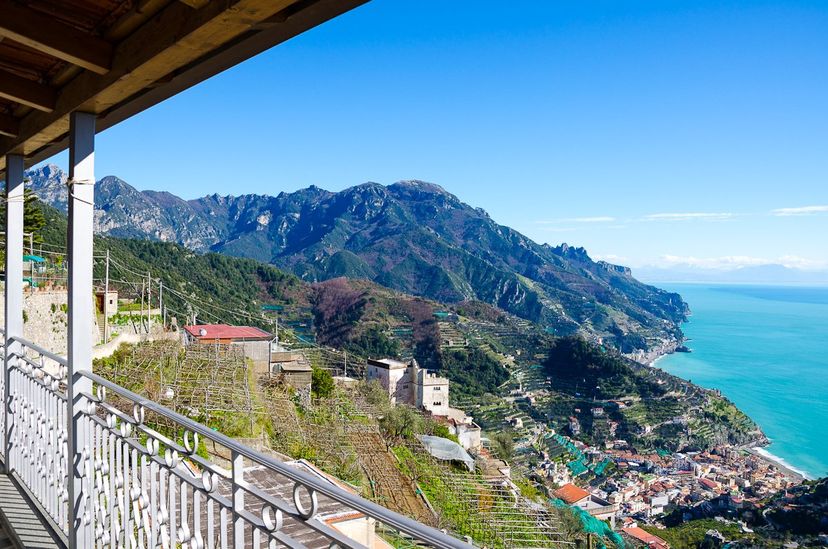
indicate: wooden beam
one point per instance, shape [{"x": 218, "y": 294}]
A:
[
  {"x": 170, "y": 43},
  {"x": 9, "y": 125},
  {"x": 175, "y": 37},
  {"x": 195, "y": 4},
  {"x": 26, "y": 92},
  {"x": 57, "y": 39}
]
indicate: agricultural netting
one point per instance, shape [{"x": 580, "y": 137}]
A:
[
  {"x": 592, "y": 525},
  {"x": 446, "y": 450}
]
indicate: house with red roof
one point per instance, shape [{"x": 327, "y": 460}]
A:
[
  {"x": 642, "y": 536},
  {"x": 254, "y": 341},
  {"x": 709, "y": 484},
  {"x": 570, "y": 494},
  {"x": 592, "y": 504}
]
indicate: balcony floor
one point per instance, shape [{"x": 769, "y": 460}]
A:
[{"x": 21, "y": 525}]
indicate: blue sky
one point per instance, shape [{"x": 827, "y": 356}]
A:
[{"x": 649, "y": 132}]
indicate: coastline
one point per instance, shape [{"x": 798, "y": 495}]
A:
[
  {"x": 754, "y": 449},
  {"x": 653, "y": 357},
  {"x": 779, "y": 463}
]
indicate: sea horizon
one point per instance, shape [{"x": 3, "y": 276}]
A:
[{"x": 760, "y": 345}]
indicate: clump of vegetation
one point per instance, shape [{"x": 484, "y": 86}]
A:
[
  {"x": 807, "y": 512},
  {"x": 578, "y": 366},
  {"x": 374, "y": 342},
  {"x": 322, "y": 383},
  {"x": 402, "y": 422},
  {"x": 472, "y": 371},
  {"x": 691, "y": 535},
  {"x": 503, "y": 444}
]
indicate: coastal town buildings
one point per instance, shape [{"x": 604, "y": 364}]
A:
[
  {"x": 643, "y": 487},
  {"x": 647, "y": 539},
  {"x": 588, "y": 501}
]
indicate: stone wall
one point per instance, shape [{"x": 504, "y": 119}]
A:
[{"x": 45, "y": 320}]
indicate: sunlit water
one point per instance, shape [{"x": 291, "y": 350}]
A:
[{"x": 766, "y": 348}]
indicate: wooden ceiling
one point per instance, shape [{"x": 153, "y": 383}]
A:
[{"x": 117, "y": 58}]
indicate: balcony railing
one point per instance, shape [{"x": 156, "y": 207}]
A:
[{"x": 145, "y": 476}]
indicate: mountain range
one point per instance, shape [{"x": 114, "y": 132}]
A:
[{"x": 410, "y": 236}]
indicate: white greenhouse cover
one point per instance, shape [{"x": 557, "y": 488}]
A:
[{"x": 446, "y": 450}]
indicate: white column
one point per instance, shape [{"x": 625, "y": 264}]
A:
[
  {"x": 14, "y": 279},
  {"x": 81, "y": 315}
]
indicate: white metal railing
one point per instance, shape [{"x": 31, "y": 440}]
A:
[
  {"x": 147, "y": 480},
  {"x": 36, "y": 422}
]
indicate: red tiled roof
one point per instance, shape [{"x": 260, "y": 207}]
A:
[
  {"x": 225, "y": 331},
  {"x": 708, "y": 483},
  {"x": 570, "y": 493},
  {"x": 650, "y": 539}
]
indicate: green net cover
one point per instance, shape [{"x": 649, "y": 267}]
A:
[{"x": 592, "y": 525}]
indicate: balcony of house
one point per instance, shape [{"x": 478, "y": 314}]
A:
[
  {"x": 139, "y": 474},
  {"x": 86, "y": 462}
]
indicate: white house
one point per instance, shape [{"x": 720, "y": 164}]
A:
[
  {"x": 432, "y": 392},
  {"x": 394, "y": 376}
]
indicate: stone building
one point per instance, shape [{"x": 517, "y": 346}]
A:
[
  {"x": 294, "y": 368},
  {"x": 107, "y": 302},
  {"x": 427, "y": 391},
  {"x": 410, "y": 384},
  {"x": 394, "y": 376},
  {"x": 431, "y": 392}
]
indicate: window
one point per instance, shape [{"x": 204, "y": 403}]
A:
[{"x": 436, "y": 403}]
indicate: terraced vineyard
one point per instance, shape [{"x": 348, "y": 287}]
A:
[{"x": 489, "y": 510}]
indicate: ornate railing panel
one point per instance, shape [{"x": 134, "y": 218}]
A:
[
  {"x": 36, "y": 418},
  {"x": 153, "y": 478}
]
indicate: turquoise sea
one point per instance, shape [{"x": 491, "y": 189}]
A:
[{"x": 766, "y": 349}]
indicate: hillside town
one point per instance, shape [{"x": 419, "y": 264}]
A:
[
  {"x": 610, "y": 481},
  {"x": 630, "y": 490}
]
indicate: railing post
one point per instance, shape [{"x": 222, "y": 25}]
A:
[
  {"x": 14, "y": 286},
  {"x": 81, "y": 313},
  {"x": 237, "y": 472}
]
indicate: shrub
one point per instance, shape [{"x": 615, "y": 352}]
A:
[{"x": 322, "y": 383}]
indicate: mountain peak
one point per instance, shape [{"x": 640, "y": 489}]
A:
[
  {"x": 370, "y": 186},
  {"x": 571, "y": 252},
  {"x": 423, "y": 186},
  {"x": 47, "y": 172},
  {"x": 417, "y": 190}
]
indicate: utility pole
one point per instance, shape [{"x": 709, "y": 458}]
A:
[
  {"x": 141, "y": 317},
  {"x": 106, "y": 299},
  {"x": 346, "y": 362},
  {"x": 149, "y": 301},
  {"x": 161, "y": 304}
]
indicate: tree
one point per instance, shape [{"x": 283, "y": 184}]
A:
[
  {"x": 402, "y": 422},
  {"x": 33, "y": 218},
  {"x": 374, "y": 394},
  {"x": 440, "y": 430},
  {"x": 570, "y": 523},
  {"x": 503, "y": 445},
  {"x": 322, "y": 383}
]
